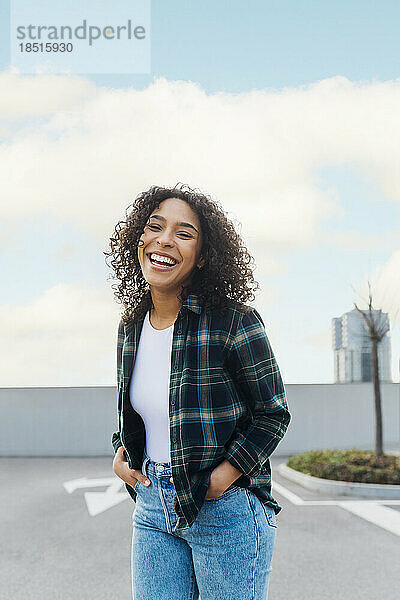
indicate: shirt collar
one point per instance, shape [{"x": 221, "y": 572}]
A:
[{"x": 192, "y": 302}]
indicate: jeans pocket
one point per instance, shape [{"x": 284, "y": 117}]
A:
[
  {"x": 230, "y": 490},
  {"x": 271, "y": 515}
]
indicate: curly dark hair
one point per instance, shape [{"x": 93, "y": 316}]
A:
[{"x": 226, "y": 276}]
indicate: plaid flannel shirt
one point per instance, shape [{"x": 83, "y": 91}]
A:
[{"x": 226, "y": 401}]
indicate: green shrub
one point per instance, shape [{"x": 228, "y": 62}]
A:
[{"x": 361, "y": 466}]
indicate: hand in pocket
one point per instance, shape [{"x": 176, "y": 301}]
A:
[{"x": 122, "y": 470}]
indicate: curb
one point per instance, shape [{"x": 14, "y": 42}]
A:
[{"x": 341, "y": 488}]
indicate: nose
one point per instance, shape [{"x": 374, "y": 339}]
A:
[{"x": 165, "y": 238}]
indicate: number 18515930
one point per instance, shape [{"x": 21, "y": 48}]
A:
[{"x": 46, "y": 47}]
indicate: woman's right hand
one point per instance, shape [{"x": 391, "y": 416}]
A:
[{"x": 129, "y": 476}]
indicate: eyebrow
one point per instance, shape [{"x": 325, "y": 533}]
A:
[{"x": 180, "y": 223}]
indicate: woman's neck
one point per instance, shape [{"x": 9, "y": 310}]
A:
[{"x": 165, "y": 309}]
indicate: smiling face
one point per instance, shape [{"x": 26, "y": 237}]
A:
[{"x": 172, "y": 231}]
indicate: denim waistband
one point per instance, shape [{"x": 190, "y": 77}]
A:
[{"x": 155, "y": 468}]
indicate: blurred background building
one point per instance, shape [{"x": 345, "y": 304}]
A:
[{"x": 352, "y": 348}]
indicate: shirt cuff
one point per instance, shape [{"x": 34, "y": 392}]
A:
[
  {"x": 238, "y": 455},
  {"x": 116, "y": 441}
]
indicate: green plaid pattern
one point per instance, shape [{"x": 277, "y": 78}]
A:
[{"x": 227, "y": 400}]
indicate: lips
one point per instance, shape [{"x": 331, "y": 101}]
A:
[
  {"x": 162, "y": 254},
  {"x": 158, "y": 266}
]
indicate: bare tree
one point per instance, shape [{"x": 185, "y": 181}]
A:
[{"x": 376, "y": 330}]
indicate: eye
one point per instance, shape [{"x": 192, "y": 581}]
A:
[
  {"x": 153, "y": 226},
  {"x": 186, "y": 235}
]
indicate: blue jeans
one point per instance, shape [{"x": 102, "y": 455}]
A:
[{"x": 225, "y": 555}]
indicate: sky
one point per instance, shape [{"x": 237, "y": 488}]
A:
[{"x": 287, "y": 113}]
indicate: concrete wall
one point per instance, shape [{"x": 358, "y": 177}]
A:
[{"x": 79, "y": 421}]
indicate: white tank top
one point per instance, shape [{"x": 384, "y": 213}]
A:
[{"x": 149, "y": 387}]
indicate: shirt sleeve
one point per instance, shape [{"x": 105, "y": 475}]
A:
[
  {"x": 257, "y": 378},
  {"x": 116, "y": 438}
]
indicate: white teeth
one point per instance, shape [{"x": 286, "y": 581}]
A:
[{"x": 160, "y": 258}]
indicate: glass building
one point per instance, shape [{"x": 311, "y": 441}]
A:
[{"x": 352, "y": 348}]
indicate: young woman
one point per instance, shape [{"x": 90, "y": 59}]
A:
[{"x": 201, "y": 402}]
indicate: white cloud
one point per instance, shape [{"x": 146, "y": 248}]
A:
[
  {"x": 385, "y": 287},
  {"x": 355, "y": 240},
  {"x": 66, "y": 337},
  {"x": 31, "y": 96},
  {"x": 320, "y": 339},
  {"x": 96, "y": 149},
  {"x": 67, "y": 251}
]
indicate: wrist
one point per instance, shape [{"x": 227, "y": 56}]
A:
[{"x": 120, "y": 453}]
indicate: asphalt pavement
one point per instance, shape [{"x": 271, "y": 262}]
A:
[{"x": 66, "y": 534}]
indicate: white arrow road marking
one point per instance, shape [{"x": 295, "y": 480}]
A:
[
  {"x": 370, "y": 510},
  {"x": 74, "y": 484},
  {"x": 98, "y": 502}
]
